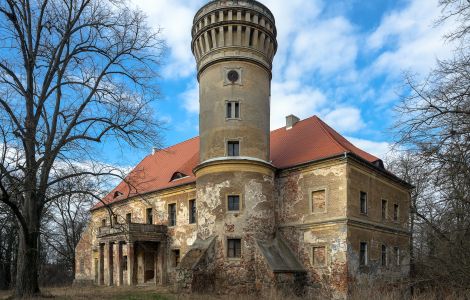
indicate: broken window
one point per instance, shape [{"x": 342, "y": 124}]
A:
[
  {"x": 395, "y": 212},
  {"x": 233, "y": 148},
  {"x": 363, "y": 254},
  {"x": 319, "y": 256},
  {"x": 233, "y": 203},
  {"x": 149, "y": 216},
  {"x": 176, "y": 257},
  {"x": 234, "y": 248},
  {"x": 384, "y": 209},
  {"x": 318, "y": 201},
  {"x": 172, "y": 214},
  {"x": 384, "y": 256},
  {"x": 192, "y": 211},
  {"x": 233, "y": 110},
  {"x": 363, "y": 200}
]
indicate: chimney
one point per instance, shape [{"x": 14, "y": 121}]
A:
[
  {"x": 291, "y": 120},
  {"x": 154, "y": 150}
]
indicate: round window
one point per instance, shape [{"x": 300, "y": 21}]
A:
[{"x": 233, "y": 76}]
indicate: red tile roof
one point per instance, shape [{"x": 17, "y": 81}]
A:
[{"x": 308, "y": 140}]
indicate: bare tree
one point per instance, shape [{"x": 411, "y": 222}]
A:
[
  {"x": 73, "y": 73},
  {"x": 434, "y": 125}
]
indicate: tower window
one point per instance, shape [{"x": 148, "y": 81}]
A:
[
  {"x": 233, "y": 110},
  {"x": 192, "y": 211},
  {"x": 363, "y": 199},
  {"x": 363, "y": 254},
  {"x": 172, "y": 214},
  {"x": 234, "y": 248},
  {"x": 233, "y": 76},
  {"x": 233, "y": 203},
  {"x": 233, "y": 148}
]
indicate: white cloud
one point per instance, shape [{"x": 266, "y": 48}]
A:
[
  {"x": 379, "y": 149},
  {"x": 409, "y": 39},
  {"x": 345, "y": 119},
  {"x": 292, "y": 97},
  {"x": 190, "y": 99}
]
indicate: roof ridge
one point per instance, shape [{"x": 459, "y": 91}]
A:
[
  {"x": 182, "y": 142},
  {"x": 329, "y": 134}
]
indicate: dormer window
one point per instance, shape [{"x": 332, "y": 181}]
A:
[
  {"x": 117, "y": 194},
  {"x": 178, "y": 175}
]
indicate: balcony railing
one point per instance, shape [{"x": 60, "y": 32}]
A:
[{"x": 131, "y": 228}]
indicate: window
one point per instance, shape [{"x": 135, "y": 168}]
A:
[
  {"x": 384, "y": 256},
  {"x": 129, "y": 218},
  {"x": 233, "y": 148},
  {"x": 124, "y": 263},
  {"x": 172, "y": 214},
  {"x": 82, "y": 265},
  {"x": 233, "y": 203},
  {"x": 318, "y": 201},
  {"x": 384, "y": 209},
  {"x": 395, "y": 212},
  {"x": 396, "y": 252},
  {"x": 115, "y": 219},
  {"x": 149, "y": 216},
  {"x": 192, "y": 211},
  {"x": 176, "y": 257},
  {"x": 363, "y": 254},
  {"x": 363, "y": 202},
  {"x": 234, "y": 248},
  {"x": 233, "y": 110},
  {"x": 103, "y": 222},
  {"x": 319, "y": 256}
]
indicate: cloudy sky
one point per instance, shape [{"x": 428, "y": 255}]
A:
[{"x": 342, "y": 60}]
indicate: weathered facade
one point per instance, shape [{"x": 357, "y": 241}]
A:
[{"x": 243, "y": 209}]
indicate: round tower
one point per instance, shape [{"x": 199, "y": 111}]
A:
[{"x": 234, "y": 43}]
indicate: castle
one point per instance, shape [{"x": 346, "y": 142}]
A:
[{"x": 242, "y": 208}]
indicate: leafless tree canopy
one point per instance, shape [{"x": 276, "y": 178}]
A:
[
  {"x": 434, "y": 127},
  {"x": 73, "y": 73}
]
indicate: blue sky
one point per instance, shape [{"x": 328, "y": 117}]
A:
[{"x": 341, "y": 60}]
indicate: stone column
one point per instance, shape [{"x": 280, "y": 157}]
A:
[
  {"x": 101, "y": 265},
  {"x": 130, "y": 263},
  {"x": 110, "y": 264},
  {"x": 119, "y": 263},
  {"x": 162, "y": 263}
]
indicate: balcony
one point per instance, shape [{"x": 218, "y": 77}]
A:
[{"x": 133, "y": 232}]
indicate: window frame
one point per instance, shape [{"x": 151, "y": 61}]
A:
[
  {"x": 313, "y": 256},
  {"x": 232, "y": 108},
  {"x": 396, "y": 253},
  {"x": 149, "y": 217},
  {"x": 176, "y": 257},
  {"x": 363, "y": 262},
  {"x": 170, "y": 215},
  {"x": 227, "y": 252},
  {"x": 228, "y": 203},
  {"x": 396, "y": 212},
  {"x": 384, "y": 256},
  {"x": 232, "y": 142},
  {"x": 384, "y": 209},
  {"x": 365, "y": 211},
  {"x": 192, "y": 211},
  {"x": 129, "y": 218}
]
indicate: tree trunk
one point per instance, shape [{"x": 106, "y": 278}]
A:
[{"x": 27, "y": 264}]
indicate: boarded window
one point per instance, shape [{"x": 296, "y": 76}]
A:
[
  {"x": 233, "y": 203},
  {"x": 363, "y": 199},
  {"x": 192, "y": 211},
  {"x": 172, "y": 214},
  {"x": 318, "y": 201},
  {"x": 234, "y": 248},
  {"x": 319, "y": 256},
  {"x": 363, "y": 254}
]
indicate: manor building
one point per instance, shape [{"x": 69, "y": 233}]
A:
[{"x": 242, "y": 208}]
